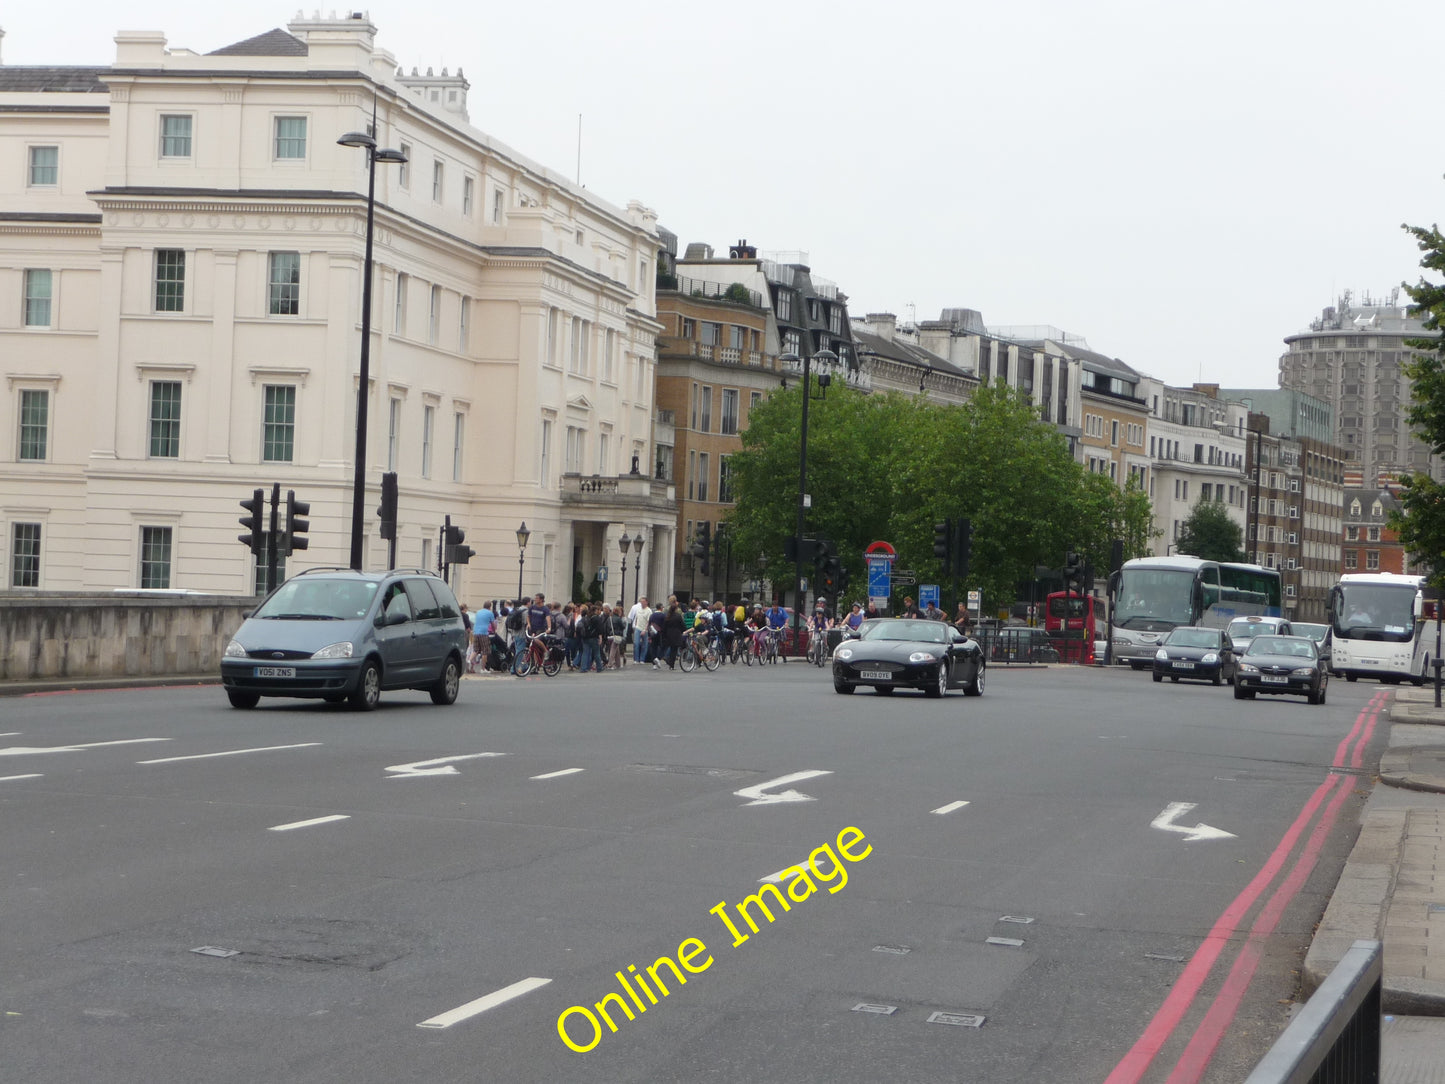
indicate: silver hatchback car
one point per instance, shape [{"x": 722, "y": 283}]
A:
[{"x": 338, "y": 634}]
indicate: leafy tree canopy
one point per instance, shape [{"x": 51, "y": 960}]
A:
[{"x": 1211, "y": 534}]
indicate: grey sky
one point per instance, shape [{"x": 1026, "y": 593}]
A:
[{"x": 1182, "y": 184}]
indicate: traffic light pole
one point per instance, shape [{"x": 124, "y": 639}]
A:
[
  {"x": 802, "y": 502},
  {"x": 272, "y": 536}
]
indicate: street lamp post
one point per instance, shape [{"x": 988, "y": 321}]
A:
[
  {"x": 358, "y": 487},
  {"x": 1252, "y": 519},
  {"x": 830, "y": 358},
  {"x": 637, "y": 565},
  {"x": 624, "y": 544},
  {"x": 522, "y": 535}
]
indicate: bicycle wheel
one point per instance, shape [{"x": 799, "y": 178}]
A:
[
  {"x": 553, "y": 666},
  {"x": 688, "y": 660},
  {"x": 711, "y": 659},
  {"x": 749, "y": 655},
  {"x": 523, "y": 666}
]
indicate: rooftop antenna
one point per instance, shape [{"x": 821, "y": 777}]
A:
[{"x": 912, "y": 314}]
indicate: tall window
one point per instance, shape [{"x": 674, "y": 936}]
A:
[
  {"x": 436, "y": 181},
  {"x": 707, "y": 408},
  {"x": 573, "y": 461},
  {"x": 497, "y": 199},
  {"x": 711, "y": 333},
  {"x": 463, "y": 319},
  {"x": 730, "y": 410},
  {"x": 428, "y": 422},
  {"x": 170, "y": 280},
  {"x": 754, "y": 398},
  {"x": 725, "y": 479},
  {"x": 291, "y": 137},
  {"x": 398, "y": 323},
  {"x": 44, "y": 166},
  {"x": 284, "y": 298},
  {"x": 37, "y": 297},
  {"x": 175, "y": 136},
  {"x": 581, "y": 329},
  {"x": 403, "y": 176},
  {"x": 545, "y": 466},
  {"x": 604, "y": 457},
  {"x": 736, "y": 336},
  {"x": 25, "y": 555},
  {"x": 459, "y": 431},
  {"x": 393, "y": 433},
  {"x": 165, "y": 420},
  {"x": 785, "y": 304},
  {"x": 703, "y": 473},
  {"x": 792, "y": 342},
  {"x": 664, "y": 462},
  {"x": 34, "y": 423},
  {"x": 434, "y": 315},
  {"x": 278, "y": 425},
  {"x": 468, "y": 185},
  {"x": 691, "y": 478},
  {"x": 155, "y": 556},
  {"x": 609, "y": 344},
  {"x": 552, "y": 331}
]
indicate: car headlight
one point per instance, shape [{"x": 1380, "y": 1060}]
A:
[
  {"x": 1304, "y": 671},
  {"x": 1161, "y": 655},
  {"x": 843, "y": 653},
  {"x": 922, "y": 656},
  {"x": 234, "y": 650},
  {"x": 1210, "y": 656},
  {"x": 341, "y": 650},
  {"x": 1248, "y": 668}
]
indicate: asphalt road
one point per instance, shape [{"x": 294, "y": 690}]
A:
[{"x": 365, "y": 945}]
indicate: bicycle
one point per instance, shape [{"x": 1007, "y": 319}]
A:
[
  {"x": 818, "y": 647},
  {"x": 532, "y": 657},
  {"x": 699, "y": 648},
  {"x": 770, "y": 647}
]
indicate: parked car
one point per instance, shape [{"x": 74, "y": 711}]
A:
[
  {"x": 1020, "y": 643},
  {"x": 1282, "y": 664},
  {"x": 1196, "y": 653},
  {"x": 338, "y": 634},
  {"x": 892, "y": 653},
  {"x": 1324, "y": 638},
  {"x": 1244, "y": 629}
]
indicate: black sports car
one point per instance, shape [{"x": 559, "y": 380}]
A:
[
  {"x": 891, "y": 653},
  {"x": 1281, "y": 664}
]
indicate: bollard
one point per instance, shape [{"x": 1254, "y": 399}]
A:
[{"x": 1437, "y": 663}]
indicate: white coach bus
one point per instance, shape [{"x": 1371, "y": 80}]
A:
[{"x": 1378, "y": 625}]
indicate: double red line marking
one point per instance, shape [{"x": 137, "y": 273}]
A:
[{"x": 1192, "y": 1063}]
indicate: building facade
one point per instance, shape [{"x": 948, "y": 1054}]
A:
[
  {"x": 1370, "y": 545},
  {"x": 187, "y": 238}
]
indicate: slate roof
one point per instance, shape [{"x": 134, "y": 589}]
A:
[
  {"x": 906, "y": 352},
  {"x": 53, "y": 79},
  {"x": 272, "y": 43}
]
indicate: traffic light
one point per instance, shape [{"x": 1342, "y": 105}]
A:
[
  {"x": 255, "y": 538},
  {"x": 293, "y": 535},
  {"x": 387, "y": 511},
  {"x": 943, "y": 544},
  {"x": 1116, "y": 555},
  {"x": 843, "y": 577},
  {"x": 702, "y": 545},
  {"x": 456, "y": 553},
  {"x": 831, "y": 567},
  {"x": 962, "y": 547}
]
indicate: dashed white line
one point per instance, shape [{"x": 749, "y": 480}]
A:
[
  {"x": 308, "y": 824},
  {"x": 564, "y": 771},
  {"x": 482, "y": 1004},
  {"x": 32, "y": 775},
  {"x": 777, "y": 878},
  {"x": 949, "y": 808},
  {"x": 230, "y": 753}
]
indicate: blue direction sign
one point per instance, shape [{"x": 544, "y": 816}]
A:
[
  {"x": 928, "y": 593},
  {"x": 878, "y": 577}
]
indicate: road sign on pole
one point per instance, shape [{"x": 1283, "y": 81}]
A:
[{"x": 928, "y": 595}]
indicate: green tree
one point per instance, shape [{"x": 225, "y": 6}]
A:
[
  {"x": 1422, "y": 525},
  {"x": 1211, "y": 534}
]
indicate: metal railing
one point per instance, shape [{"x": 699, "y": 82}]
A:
[{"x": 1335, "y": 1039}]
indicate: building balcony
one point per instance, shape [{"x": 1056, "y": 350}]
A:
[{"x": 613, "y": 496}]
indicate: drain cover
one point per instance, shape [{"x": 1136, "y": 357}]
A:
[
  {"x": 958, "y": 1019},
  {"x": 212, "y": 950},
  {"x": 883, "y": 1010}
]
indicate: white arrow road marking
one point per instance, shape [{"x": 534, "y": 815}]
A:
[
  {"x": 782, "y": 874},
  {"x": 7, "y": 778},
  {"x": 1165, "y": 823},
  {"x": 308, "y": 824},
  {"x": 482, "y": 1004},
  {"x": 564, "y": 771},
  {"x": 26, "y": 750},
  {"x": 230, "y": 753},
  {"x": 949, "y": 808},
  {"x": 439, "y": 766},
  {"x": 759, "y": 798}
]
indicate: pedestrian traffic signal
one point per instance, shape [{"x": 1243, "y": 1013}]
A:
[
  {"x": 293, "y": 535},
  {"x": 456, "y": 553},
  {"x": 387, "y": 511},
  {"x": 962, "y": 547},
  {"x": 943, "y": 544},
  {"x": 702, "y": 545},
  {"x": 255, "y": 538},
  {"x": 1071, "y": 567}
]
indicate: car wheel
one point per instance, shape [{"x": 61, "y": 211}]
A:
[
  {"x": 1174, "y": 678},
  {"x": 841, "y": 686},
  {"x": 1241, "y": 693},
  {"x": 940, "y": 686},
  {"x": 241, "y": 699},
  {"x": 1324, "y": 688},
  {"x": 1219, "y": 676},
  {"x": 368, "y": 688},
  {"x": 1136, "y": 666},
  {"x": 449, "y": 684},
  {"x": 1158, "y": 676},
  {"x": 975, "y": 687},
  {"x": 1352, "y": 677},
  {"x": 884, "y": 690}
]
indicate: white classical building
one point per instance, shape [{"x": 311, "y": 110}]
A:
[{"x": 181, "y": 252}]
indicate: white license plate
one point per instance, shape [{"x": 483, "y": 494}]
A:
[
  {"x": 1184, "y": 666},
  {"x": 875, "y": 675},
  {"x": 1271, "y": 680},
  {"x": 275, "y": 671}
]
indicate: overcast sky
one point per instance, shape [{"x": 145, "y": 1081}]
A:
[{"x": 1181, "y": 184}]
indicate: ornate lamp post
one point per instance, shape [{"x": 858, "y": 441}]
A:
[
  {"x": 637, "y": 565},
  {"x": 358, "y": 487},
  {"x": 522, "y": 535},
  {"x": 624, "y": 544},
  {"x": 829, "y": 358}
]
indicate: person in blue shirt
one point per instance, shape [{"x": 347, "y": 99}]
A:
[
  {"x": 482, "y": 635},
  {"x": 777, "y": 617},
  {"x": 854, "y": 619},
  {"x": 539, "y": 618}
]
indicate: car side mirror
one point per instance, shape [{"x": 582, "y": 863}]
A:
[{"x": 397, "y": 618}]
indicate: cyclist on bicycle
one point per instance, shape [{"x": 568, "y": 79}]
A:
[{"x": 721, "y": 629}]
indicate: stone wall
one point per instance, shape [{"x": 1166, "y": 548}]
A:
[{"x": 112, "y": 635}]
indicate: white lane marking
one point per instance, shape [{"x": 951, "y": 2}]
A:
[
  {"x": 438, "y": 766},
  {"x": 949, "y": 808},
  {"x": 1165, "y": 823},
  {"x": 564, "y": 771},
  {"x": 308, "y": 824},
  {"x": 777, "y": 878},
  {"x": 759, "y": 798},
  {"x": 33, "y": 775},
  {"x": 482, "y": 1004},
  {"x": 230, "y": 753},
  {"x": 17, "y": 733},
  {"x": 27, "y": 750}
]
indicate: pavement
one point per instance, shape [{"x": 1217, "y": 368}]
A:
[{"x": 1393, "y": 890}]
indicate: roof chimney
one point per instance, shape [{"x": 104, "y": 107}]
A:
[{"x": 885, "y": 324}]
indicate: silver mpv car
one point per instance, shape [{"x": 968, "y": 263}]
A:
[{"x": 338, "y": 634}]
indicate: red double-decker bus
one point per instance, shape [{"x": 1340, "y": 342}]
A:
[{"x": 1067, "y": 616}]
